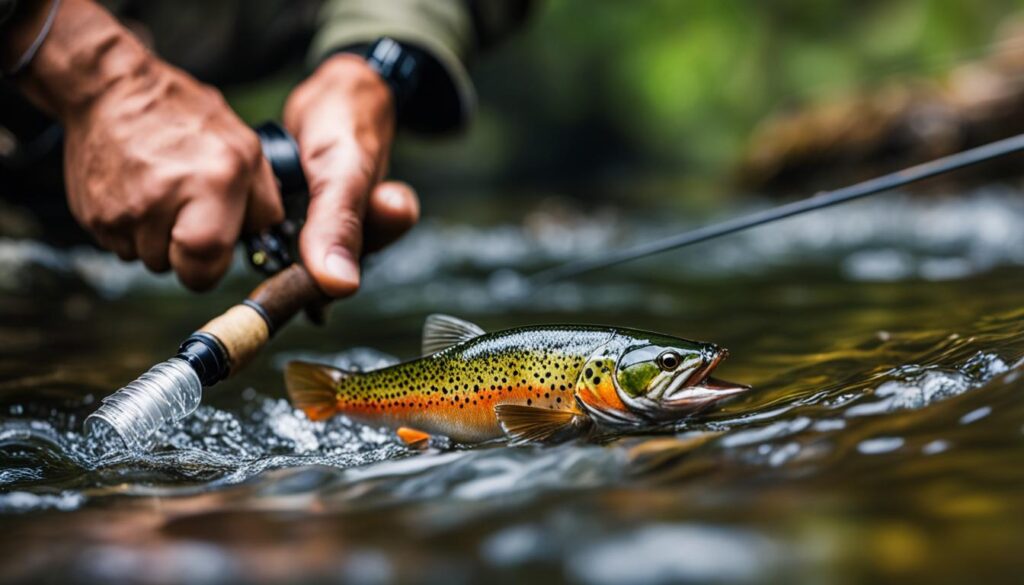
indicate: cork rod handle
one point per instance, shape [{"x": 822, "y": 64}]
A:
[{"x": 245, "y": 328}]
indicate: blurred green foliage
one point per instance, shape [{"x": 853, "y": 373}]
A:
[{"x": 600, "y": 93}]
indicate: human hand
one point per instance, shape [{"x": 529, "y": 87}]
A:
[
  {"x": 166, "y": 172},
  {"x": 157, "y": 166},
  {"x": 342, "y": 118}
]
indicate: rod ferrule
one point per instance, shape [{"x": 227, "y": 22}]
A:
[{"x": 207, "y": 356}]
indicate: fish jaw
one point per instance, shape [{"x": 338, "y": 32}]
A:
[
  {"x": 708, "y": 392},
  {"x": 699, "y": 391}
]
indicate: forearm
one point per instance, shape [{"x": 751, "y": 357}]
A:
[{"x": 87, "y": 54}]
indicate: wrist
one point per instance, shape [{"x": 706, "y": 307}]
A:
[
  {"x": 354, "y": 72},
  {"x": 399, "y": 65},
  {"x": 347, "y": 77},
  {"x": 87, "y": 53}
]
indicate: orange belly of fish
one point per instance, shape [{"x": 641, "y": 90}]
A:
[{"x": 460, "y": 415}]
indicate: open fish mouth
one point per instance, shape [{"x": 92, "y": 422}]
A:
[
  {"x": 723, "y": 387},
  {"x": 701, "y": 388},
  {"x": 704, "y": 372},
  {"x": 707, "y": 390}
]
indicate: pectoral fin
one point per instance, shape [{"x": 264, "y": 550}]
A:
[{"x": 530, "y": 424}]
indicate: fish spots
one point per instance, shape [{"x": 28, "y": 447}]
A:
[
  {"x": 597, "y": 391},
  {"x": 455, "y": 390}
]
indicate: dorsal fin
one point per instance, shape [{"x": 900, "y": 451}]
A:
[{"x": 443, "y": 331}]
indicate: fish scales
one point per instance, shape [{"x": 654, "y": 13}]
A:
[
  {"x": 454, "y": 392},
  {"x": 530, "y": 384}
]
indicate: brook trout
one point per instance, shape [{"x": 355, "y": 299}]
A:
[{"x": 530, "y": 384}]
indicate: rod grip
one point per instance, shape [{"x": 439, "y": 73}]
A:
[
  {"x": 244, "y": 329},
  {"x": 230, "y": 340},
  {"x": 285, "y": 294}
]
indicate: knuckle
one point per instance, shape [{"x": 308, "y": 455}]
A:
[
  {"x": 166, "y": 180},
  {"x": 207, "y": 245},
  {"x": 365, "y": 167},
  {"x": 351, "y": 181},
  {"x": 321, "y": 155},
  {"x": 214, "y": 96},
  {"x": 225, "y": 170},
  {"x": 349, "y": 228},
  {"x": 118, "y": 217},
  {"x": 252, "y": 149}
]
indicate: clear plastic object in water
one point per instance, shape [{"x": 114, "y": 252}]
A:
[{"x": 167, "y": 393}]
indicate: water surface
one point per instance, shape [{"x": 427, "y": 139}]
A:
[{"x": 884, "y": 439}]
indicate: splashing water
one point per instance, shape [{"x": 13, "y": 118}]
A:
[{"x": 211, "y": 445}]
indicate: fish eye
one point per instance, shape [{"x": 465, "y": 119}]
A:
[{"x": 669, "y": 360}]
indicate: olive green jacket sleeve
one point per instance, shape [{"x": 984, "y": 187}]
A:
[{"x": 452, "y": 31}]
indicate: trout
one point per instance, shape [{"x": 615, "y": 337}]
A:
[{"x": 529, "y": 384}]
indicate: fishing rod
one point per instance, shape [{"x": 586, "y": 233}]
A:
[
  {"x": 172, "y": 389},
  {"x": 822, "y": 200}
]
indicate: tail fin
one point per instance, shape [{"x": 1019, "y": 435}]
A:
[{"x": 314, "y": 388}]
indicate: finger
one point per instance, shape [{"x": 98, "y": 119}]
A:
[
  {"x": 203, "y": 241},
  {"x": 153, "y": 240},
  {"x": 264, "y": 208},
  {"x": 118, "y": 242},
  {"x": 393, "y": 208},
  {"x": 116, "y": 236},
  {"x": 152, "y": 237},
  {"x": 331, "y": 241},
  {"x": 124, "y": 248}
]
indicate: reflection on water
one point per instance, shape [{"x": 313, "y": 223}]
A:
[{"x": 883, "y": 440}]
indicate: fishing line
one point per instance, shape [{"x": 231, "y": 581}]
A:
[{"x": 822, "y": 200}]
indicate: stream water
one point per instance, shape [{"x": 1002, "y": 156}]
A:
[{"x": 884, "y": 441}]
